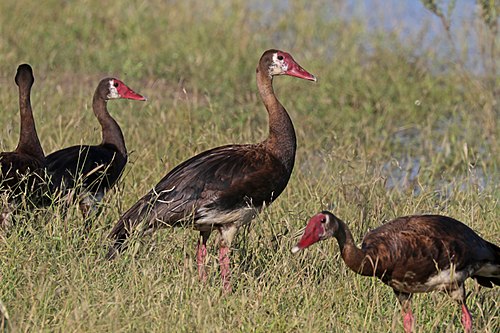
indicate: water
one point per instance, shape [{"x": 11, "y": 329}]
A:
[
  {"x": 402, "y": 175},
  {"x": 416, "y": 25},
  {"x": 410, "y": 21}
]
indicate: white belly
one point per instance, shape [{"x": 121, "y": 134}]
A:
[
  {"x": 210, "y": 218},
  {"x": 447, "y": 279}
]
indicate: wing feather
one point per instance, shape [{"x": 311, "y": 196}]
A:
[{"x": 223, "y": 178}]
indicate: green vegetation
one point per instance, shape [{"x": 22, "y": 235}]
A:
[{"x": 392, "y": 128}]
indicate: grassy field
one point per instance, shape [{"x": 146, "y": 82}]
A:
[{"x": 393, "y": 127}]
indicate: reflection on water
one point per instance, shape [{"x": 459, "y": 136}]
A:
[
  {"x": 403, "y": 175},
  {"x": 420, "y": 30},
  {"x": 410, "y": 22}
]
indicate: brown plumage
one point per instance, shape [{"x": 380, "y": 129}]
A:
[
  {"x": 21, "y": 169},
  {"x": 414, "y": 254},
  {"x": 223, "y": 188},
  {"x": 93, "y": 170}
]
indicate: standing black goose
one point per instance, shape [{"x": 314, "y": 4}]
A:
[
  {"x": 223, "y": 188},
  {"x": 92, "y": 170},
  {"x": 414, "y": 254},
  {"x": 20, "y": 169}
]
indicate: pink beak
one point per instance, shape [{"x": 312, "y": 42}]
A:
[
  {"x": 312, "y": 234},
  {"x": 297, "y": 71},
  {"x": 130, "y": 94}
]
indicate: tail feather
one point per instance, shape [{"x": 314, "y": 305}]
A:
[
  {"x": 127, "y": 223},
  {"x": 119, "y": 234},
  {"x": 157, "y": 208},
  {"x": 489, "y": 281},
  {"x": 496, "y": 254},
  {"x": 496, "y": 250}
]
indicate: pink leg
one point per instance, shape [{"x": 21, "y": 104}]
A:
[
  {"x": 225, "y": 271},
  {"x": 405, "y": 301},
  {"x": 408, "y": 321},
  {"x": 201, "y": 254},
  {"x": 466, "y": 319}
]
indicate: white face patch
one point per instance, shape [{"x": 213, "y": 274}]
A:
[
  {"x": 113, "y": 92},
  {"x": 277, "y": 66}
]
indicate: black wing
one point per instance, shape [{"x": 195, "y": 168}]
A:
[
  {"x": 22, "y": 174},
  {"x": 96, "y": 168},
  {"x": 424, "y": 244},
  {"x": 15, "y": 167},
  {"x": 223, "y": 179}
]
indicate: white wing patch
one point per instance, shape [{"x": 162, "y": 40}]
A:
[
  {"x": 489, "y": 270},
  {"x": 447, "y": 279},
  {"x": 210, "y": 217}
]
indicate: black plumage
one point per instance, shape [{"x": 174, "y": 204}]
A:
[
  {"x": 92, "y": 170},
  {"x": 414, "y": 254},
  {"x": 225, "y": 187},
  {"x": 21, "y": 176}
]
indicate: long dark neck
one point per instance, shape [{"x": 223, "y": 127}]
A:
[
  {"x": 281, "y": 140},
  {"x": 28, "y": 138},
  {"x": 111, "y": 132},
  {"x": 353, "y": 256}
]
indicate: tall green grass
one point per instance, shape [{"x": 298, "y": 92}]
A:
[{"x": 380, "y": 112}]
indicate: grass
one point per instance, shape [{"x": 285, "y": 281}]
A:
[{"x": 388, "y": 131}]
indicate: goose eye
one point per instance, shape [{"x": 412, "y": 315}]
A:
[
  {"x": 116, "y": 84},
  {"x": 280, "y": 57},
  {"x": 323, "y": 220}
]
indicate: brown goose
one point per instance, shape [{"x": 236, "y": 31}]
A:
[
  {"x": 93, "y": 170},
  {"x": 414, "y": 254},
  {"x": 223, "y": 188},
  {"x": 20, "y": 169}
]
